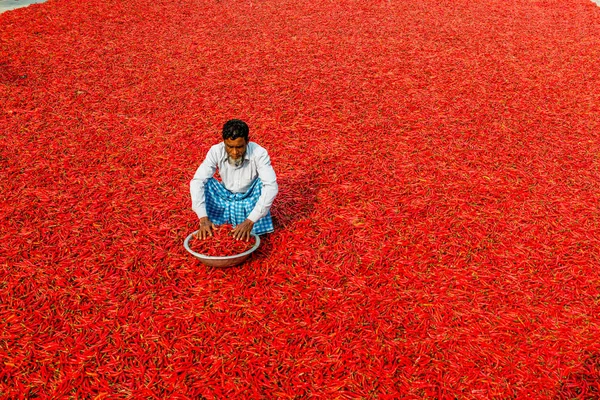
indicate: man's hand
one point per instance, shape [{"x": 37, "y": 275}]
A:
[
  {"x": 242, "y": 231},
  {"x": 206, "y": 228}
]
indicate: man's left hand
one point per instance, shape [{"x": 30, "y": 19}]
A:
[{"x": 242, "y": 231}]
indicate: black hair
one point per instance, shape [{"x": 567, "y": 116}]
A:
[{"x": 235, "y": 128}]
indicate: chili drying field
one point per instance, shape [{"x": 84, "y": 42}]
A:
[{"x": 437, "y": 226}]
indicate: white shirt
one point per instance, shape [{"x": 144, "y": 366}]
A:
[{"x": 256, "y": 164}]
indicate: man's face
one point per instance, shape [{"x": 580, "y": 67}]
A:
[{"x": 235, "y": 148}]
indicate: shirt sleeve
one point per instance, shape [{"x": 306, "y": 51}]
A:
[
  {"x": 205, "y": 171},
  {"x": 266, "y": 174}
]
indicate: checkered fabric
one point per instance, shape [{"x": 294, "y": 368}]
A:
[{"x": 225, "y": 207}]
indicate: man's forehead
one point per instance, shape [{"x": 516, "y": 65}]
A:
[{"x": 235, "y": 142}]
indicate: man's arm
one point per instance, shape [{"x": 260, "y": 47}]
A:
[
  {"x": 266, "y": 174},
  {"x": 205, "y": 171},
  {"x": 269, "y": 191}
]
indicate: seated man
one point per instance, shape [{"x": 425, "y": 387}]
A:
[{"x": 248, "y": 188}]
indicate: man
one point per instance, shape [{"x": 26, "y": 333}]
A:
[{"x": 248, "y": 188}]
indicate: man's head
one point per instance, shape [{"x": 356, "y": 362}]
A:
[{"x": 235, "y": 136}]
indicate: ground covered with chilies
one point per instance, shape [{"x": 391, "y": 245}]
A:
[{"x": 437, "y": 226}]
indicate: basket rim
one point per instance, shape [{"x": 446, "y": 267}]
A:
[{"x": 186, "y": 244}]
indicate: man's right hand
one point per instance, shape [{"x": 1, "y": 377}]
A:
[{"x": 206, "y": 228}]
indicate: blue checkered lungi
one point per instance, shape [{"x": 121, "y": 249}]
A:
[{"x": 225, "y": 207}]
